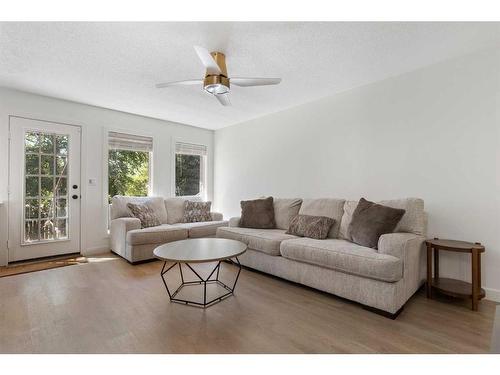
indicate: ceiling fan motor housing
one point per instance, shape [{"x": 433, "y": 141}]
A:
[{"x": 217, "y": 84}]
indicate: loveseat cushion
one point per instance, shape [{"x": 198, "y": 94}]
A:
[
  {"x": 156, "y": 235},
  {"x": 344, "y": 256},
  {"x": 329, "y": 207},
  {"x": 175, "y": 210},
  {"x": 202, "y": 229},
  {"x": 119, "y": 206},
  {"x": 264, "y": 240}
]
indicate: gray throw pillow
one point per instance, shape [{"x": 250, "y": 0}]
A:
[
  {"x": 257, "y": 213},
  {"x": 316, "y": 227},
  {"x": 371, "y": 220},
  {"x": 145, "y": 214},
  {"x": 196, "y": 211}
]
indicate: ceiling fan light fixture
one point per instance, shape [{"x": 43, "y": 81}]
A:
[
  {"x": 216, "y": 85},
  {"x": 217, "y": 88}
]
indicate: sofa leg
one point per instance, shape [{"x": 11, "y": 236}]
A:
[{"x": 383, "y": 313}]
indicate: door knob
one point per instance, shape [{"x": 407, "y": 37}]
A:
[
  {"x": 75, "y": 186},
  {"x": 74, "y": 196}
]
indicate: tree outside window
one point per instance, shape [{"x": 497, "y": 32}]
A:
[
  {"x": 128, "y": 173},
  {"x": 188, "y": 170}
]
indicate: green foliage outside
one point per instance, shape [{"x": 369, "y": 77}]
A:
[
  {"x": 187, "y": 174},
  {"x": 128, "y": 173}
]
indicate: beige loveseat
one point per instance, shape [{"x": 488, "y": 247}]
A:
[
  {"x": 135, "y": 244},
  {"x": 383, "y": 278}
]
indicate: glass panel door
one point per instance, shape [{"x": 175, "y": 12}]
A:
[
  {"x": 46, "y": 187},
  {"x": 44, "y": 184}
]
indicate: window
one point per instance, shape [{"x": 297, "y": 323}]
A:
[
  {"x": 190, "y": 170},
  {"x": 129, "y": 164}
]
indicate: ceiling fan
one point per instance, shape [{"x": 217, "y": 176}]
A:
[{"x": 216, "y": 81}]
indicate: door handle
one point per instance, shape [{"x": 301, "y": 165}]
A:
[
  {"x": 74, "y": 196},
  {"x": 75, "y": 186}
]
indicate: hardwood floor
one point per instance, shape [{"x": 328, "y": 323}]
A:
[{"x": 110, "y": 306}]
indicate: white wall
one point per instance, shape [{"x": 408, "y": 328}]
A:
[
  {"x": 95, "y": 121},
  {"x": 432, "y": 133}
]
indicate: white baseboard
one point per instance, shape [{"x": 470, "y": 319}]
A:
[
  {"x": 96, "y": 250},
  {"x": 492, "y": 294}
]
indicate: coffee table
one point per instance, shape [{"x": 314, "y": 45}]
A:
[{"x": 200, "y": 250}]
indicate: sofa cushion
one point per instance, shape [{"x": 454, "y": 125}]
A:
[
  {"x": 284, "y": 210},
  {"x": 329, "y": 207},
  {"x": 371, "y": 220},
  {"x": 257, "y": 213},
  {"x": 263, "y": 240},
  {"x": 175, "y": 210},
  {"x": 344, "y": 256},
  {"x": 413, "y": 221},
  {"x": 156, "y": 235},
  {"x": 119, "y": 206},
  {"x": 201, "y": 229}
]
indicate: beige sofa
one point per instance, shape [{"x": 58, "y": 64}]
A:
[
  {"x": 135, "y": 244},
  {"x": 383, "y": 279}
]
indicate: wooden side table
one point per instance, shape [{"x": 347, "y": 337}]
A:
[{"x": 453, "y": 287}]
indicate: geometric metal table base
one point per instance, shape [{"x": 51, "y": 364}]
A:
[{"x": 201, "y": 282}]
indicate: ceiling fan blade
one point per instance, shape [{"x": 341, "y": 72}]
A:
[
  {"x": 246, "y": 82},
  {"x": 223, "y": 99},
  {"x": 207, "y": 60},
  {"x": 180, "y": 83}
]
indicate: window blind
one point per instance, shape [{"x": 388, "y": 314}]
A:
[
  {"x": 190, "y": 149},
  {"x": 130, "y": 142}
]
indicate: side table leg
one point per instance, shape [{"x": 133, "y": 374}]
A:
[
  {"x": 429, "y": 271},
  {"x": 436, "y": 264},
  {"x": 475, "y": 279}
]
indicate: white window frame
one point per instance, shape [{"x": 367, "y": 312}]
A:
[
  {"x": 202, "y": 195},
  {"x": 105, "y": 167}
]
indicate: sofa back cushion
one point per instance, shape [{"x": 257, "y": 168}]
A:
[
  {"x": 284, "y": 210},
  {"x": 413, "y": 221},
  {"x": 175, "y": 210},
  {"x": 119, "y": 206},
  {"x": 329, "y": 207}
]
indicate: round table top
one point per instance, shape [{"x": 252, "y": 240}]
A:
[
  {"x": 455, "y": 245},
  {"x": 199, "y": 250}
]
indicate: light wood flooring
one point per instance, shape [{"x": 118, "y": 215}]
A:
[{"x": 110, "y": 306}]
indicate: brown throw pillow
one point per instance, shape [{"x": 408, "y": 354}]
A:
[
  {"x": 145, "y": 214},
  {"x": 257, "y": 213},
  {"x": 196, "y": 211},
  {"x": 371, "y": 220},
  {"x": 316, "y": 227}
]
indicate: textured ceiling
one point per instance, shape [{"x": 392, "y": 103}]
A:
[{"x": 116, "y": 65}]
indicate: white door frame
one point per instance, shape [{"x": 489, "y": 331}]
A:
[{"x": 81, "y": 190}]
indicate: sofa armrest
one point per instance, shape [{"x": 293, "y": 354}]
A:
[
  {"x": 410, "y": 249},
  {"x": 118, "y": 232},
  {"x": 217, "y": 216},
  {"x": 234, "y": 222},
  {"x": 399, "y": 244}
]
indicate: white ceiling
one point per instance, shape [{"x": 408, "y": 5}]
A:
[{"x": 116, "y": 65}]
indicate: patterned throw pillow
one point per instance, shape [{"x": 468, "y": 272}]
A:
[
  {"x": 316, "y": 227},
  {"x": 196, "y": 211},
  {"x": 145, "y": 214}
]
